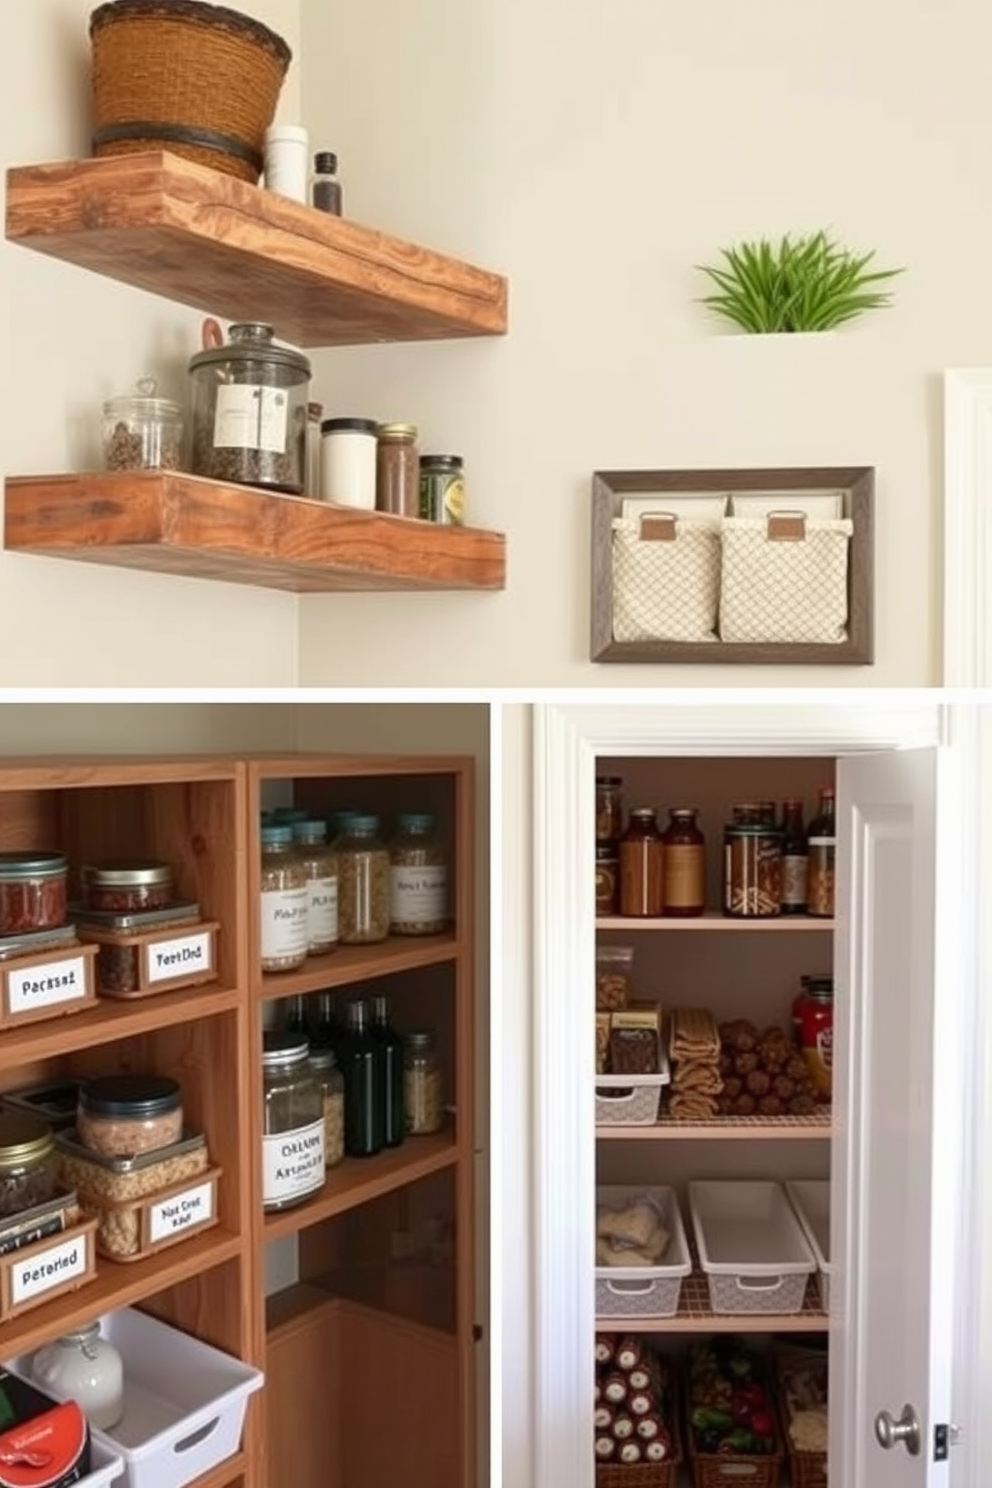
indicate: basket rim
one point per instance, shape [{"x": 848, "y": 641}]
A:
[{"x": 197, "y": 12}]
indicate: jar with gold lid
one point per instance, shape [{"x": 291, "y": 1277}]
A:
[
  {"x": 28, "y": 1169},
  {"x": 397, "y": 478}
]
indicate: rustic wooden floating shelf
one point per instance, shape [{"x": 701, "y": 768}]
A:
[
  {"x": 182, "y": 524},
  {"x": 201, "y": 238}
]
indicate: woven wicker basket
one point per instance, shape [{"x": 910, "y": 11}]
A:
[
  {"x": 715, "y": 1470},
  {"x": 199, "y": 80},
  {"x": 808, "y": 1469},
  {"x": 648, "y": 1474}
]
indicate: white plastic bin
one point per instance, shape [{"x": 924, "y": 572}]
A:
[
  {"x": 751, "y": 1246},
  {"x": 810, "y": 1198},
  {"x": 644, "y": 1291},
  {"x": 184, "y": 1402},
  {"x": 628, "y": 1100}
]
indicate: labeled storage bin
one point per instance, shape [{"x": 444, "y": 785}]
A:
[
  {"x": 36, "y": 985},
  {"x": 810, "y": 1198},
  {"x": 624, "y": 1292},
  {"x": 54, "y": 1265},
  {"x": 143, "y": 953},
  {"x": 751, "y": 1247},
  {"x": 666, "y": 577},
  {"x": 783, "y": 578},
  {"x": 184, "y": 1402}
]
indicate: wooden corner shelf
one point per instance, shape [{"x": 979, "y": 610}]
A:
[
  {"x": 182, "y": 524},
  {"x": 352, "y": 964},
  {"x": 194, "y": 235}
]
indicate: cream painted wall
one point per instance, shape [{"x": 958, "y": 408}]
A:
[
  {"x": 144, "y": 728},
  {"x": 595, "y": 154},
  {"x": 72, "y": 339}
]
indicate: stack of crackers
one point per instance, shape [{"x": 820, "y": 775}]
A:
[{"x": 694, "y": 1050}]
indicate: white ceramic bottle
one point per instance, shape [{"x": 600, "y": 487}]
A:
[{"x": 84, "y": 1367}]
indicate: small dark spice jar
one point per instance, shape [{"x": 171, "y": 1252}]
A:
[
  {"x": 442, "y": 489},
  {"x": 28, "y": 1168},
  {"x": 32, "y": 891},
  {"x": 123, "y": 885}
]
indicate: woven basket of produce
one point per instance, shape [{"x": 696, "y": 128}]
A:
[
  {"x": 199, "y": 80},
  {"x": 802, "y": 1395},
  {"x": 732, "y": 1430}
]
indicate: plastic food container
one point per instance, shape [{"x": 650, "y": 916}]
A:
[
  {"x": 751, "y": 1247},
  {"x": 125, "y": 1115},
  {"x": 123, "y": 886},
  {"x": 37, "y": 1223},
  {"x": 36, "y": 942},
  {"x": 124, "y": 939},
  {"x": 810, "y": 1198},
  {"x": 644, "y": 1291},
  {"x": 142, "y": 431},
  {"x": 32, "y": 891}
]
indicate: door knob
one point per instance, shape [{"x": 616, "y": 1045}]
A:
[{"x": 890, "y": 1433}]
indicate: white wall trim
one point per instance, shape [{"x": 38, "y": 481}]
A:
[{"x": 967, "y": 527}]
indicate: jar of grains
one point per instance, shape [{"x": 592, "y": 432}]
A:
[
  {"x": 122, "y": 1115},
  {"x": 320, "y": 863},
  {"x": 284, "y": 903},
  {"x": 125, "y": 886},
  {"x": 418, "y": 877},
  {"x": 422, "y": 1094},
  {"x": 249, "y": 411},
  {"x": 363, "y": 883},
  {"x": 32, "y": 891},
  {"x": 324, "y": 1064},
  {"x": 28, "y": 1171},
  {"x": 397, "y": 480},
  {"x": 292, "y": 1122},
  {"x": 752, "y": 871}
]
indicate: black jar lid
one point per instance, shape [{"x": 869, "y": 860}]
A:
[
  {"x": 350, "y": 426},
  {"x": 441, "y": 462},
  {"x": 139, "y": 1096},
  {"x": 325, "y": 162},
  {"x": 32, "y": 864}
]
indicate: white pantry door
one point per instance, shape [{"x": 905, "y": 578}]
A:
[{"x": 895, "y": 1174}]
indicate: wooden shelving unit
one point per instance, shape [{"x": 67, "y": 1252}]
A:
[
  {"x": 199, "y": 237},
  {"x": 362, "y": 1308}
]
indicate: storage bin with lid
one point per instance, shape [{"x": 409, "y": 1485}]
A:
[
  {"x": 284, "y": 902},
  {"x": 142, "y": 431},
  {"x": 644, "y": 1291},
  {"x": 364, "y": 882},
  {"x": 418, "y": 877},
  {"x": 150, "y": 951},
  {"x": 751, "y": 1246},
  {"x": 122, "y": 1115},
  {"x": 32, "y": 891},
  {"x": 28, "y": 1169},
  {"x": 249, "y": 410},
  {"x": 125, "y": 885},
  {"x": 292, "y": 1122}
]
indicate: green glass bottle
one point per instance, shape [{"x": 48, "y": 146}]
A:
[{"x": 392, "y": 1054}]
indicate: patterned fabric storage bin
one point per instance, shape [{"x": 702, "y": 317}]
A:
[
  {"x": 666, "y": 576},
  {"x": 783, "y": 578}
]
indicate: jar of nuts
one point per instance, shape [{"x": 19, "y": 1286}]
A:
[
  {"x": 363, "y": 882},
  {"x": 418, "y": 878},
  {"x": 142, "y": 431}
]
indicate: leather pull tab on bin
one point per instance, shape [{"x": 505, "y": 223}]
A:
[
  {"x": 658, "y": 527},
  {"x": 786, "y": 526}
]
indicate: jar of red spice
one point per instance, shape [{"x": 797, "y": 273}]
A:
[
  {"x": 123, "y": 886},
  {"x": 32, "y": 891}
]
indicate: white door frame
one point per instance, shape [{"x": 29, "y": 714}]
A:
[
  {"x": 968, "y": 527},
  {"x": 567, "y": 740}
]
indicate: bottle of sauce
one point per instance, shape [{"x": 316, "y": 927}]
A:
[
  {"x": 361, "y": 1061},
  {"x": 818, "y": 1033},
  {"x": 821, "y": 845},
  {"x": 794, "y": 858},
  {"x": 684, "y": 864},
  {"x": 642, "y": 865},
  {"x": 394, "y": 1117}
]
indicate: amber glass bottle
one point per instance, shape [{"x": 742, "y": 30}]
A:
[
  {"x": 684, "y": 864},
  {"x": 642, "y": 865},
  {"x": 821, "y": 844},
  {"x": 794, "y": 858}
]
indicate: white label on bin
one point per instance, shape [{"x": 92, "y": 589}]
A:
[
  {"x": 293, "y": 1163},
  {"x": 322, "y": 912},
  {"x": 419, "y": 896},
  {"x": 173, "y": 958},
  {"x": 46, "y": 986},
  {"x": 284, "y": 923},
  {"x": 182, "y": 1211},
  {"x": 48, "y": 1269},
  {"x": 251, "y": 418}
]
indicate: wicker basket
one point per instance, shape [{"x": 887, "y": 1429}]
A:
[
  {"x": 649, "y": 1474},
  {"x": 716, "y": 1470},
  {"x": 808, "y": 1469},
  {"x": 199, "y": 80}
]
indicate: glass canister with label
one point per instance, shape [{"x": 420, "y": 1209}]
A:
[
  {"x": 284, "y": 902},
  {"x": 320, "y": 864},
  {"x": 752, "y": 870},
  {"x": 816, "y": 1017},
  {"x": 292, "y": 1122},
  {"x": 642, "y": 886},
  {"x": 249, "y": 410},
  {"x": 684, "y": 864},
  {"x": 418, "y": 877}
]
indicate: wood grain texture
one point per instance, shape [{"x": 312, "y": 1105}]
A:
[
  {"x": 194, "y": 235},
  {"x": 304, "y": 1363},
  {"x": 609, "y": 487},
  {"x": 182, "y": 524}
]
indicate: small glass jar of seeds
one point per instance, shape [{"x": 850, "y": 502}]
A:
[
  {"x": 418, "y": 897},
  {"x": 142, "y": 431},
  {"x": 363, "y": 882}
]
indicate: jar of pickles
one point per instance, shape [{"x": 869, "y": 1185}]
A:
[
  {"x": 284, "y": 902},
  {"x": 364, "y": 882},
  {"x": 418, "y": 877},
  {"x": 32, "y": 891}
]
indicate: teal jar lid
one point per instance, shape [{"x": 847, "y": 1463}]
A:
[{"x": 15, "y": 865}]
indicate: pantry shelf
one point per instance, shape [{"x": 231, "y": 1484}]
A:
[
  {"x": 352, "y": 964},
  {"x": 226, "y": 1472},
  {"x": 202, "y": 238},
  {"x": 182, "y": 524},
  {"x": 358, "y": 1181},
  {"x": 118, "y": 1286},
  {"x": 714, "y": 920},
  {"x": 696, "y": 1316},
  {"x": 814, "y": 1127}
]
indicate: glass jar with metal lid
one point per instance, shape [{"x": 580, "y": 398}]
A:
[
  {"x": 418, "y": 871},
  {"x": 28, "y": 1168},
  {"x": 292, "y": 1121},
  {"x": 397, "y": 480},
  {"x": 284, "y": 903},
  {"x": 32, "y": 891},
  {"x": 442, "y": 489},
  {"x": 249, "y": 410},
  {"x": 423, "y": 1092},
  {"x": 324, "y": 1064},
  {"x": 320, "y": 864},
  {"x": 142, "y": 431},
  {"x": 363, "y": 885},
  {"x": 126, "y": 886},
  {"x": 122, "y": 1115}
]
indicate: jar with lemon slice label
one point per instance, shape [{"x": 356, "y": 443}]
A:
[{"x": 442, "y": 489}]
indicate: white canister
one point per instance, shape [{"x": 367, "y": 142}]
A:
[
  {"x": 348, "y": 461},
  {"x": 287, "y": 161},
  {"x": 84, "y": 1367}
]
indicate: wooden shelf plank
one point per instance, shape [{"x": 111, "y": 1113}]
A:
[
  {"x": 696, "y": 1316},
  {"x": 225, "y": 1472},
  {"x": 714, "y": 920},
  {"x": 204, "y": 239},
  {"x": 118, "y": 1286},
  {"x": 360, "y": 1180},
  {"x": 361, "y": 963},
  {"x": 815, "y": 1127},
  {"x": 111, "y": 1019},
  {"x": 175, "y": 523}
]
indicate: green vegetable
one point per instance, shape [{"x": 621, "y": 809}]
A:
[{"x": 704, "y": 1416}]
